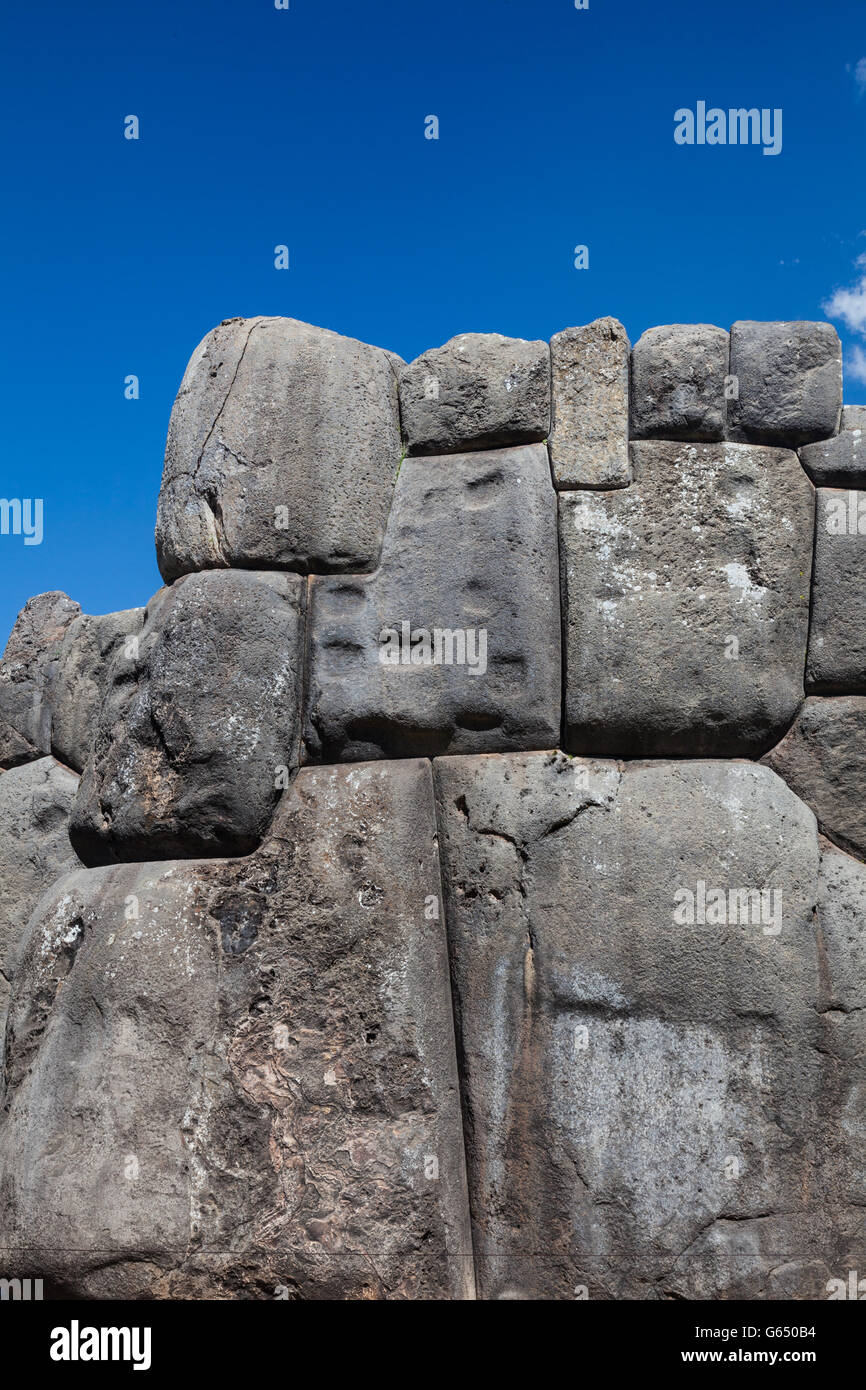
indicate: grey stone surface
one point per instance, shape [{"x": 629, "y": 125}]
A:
[
  {"x": 789, "y": 382},
  {"x": 841, "y": 922},
  {"x": 282, "y": 450},
  {"x": 25, "y": 675},
  {"x": 633, "y": 992},
  {"x": 231, "y": 1078},
  {"x": 823, "y": 759},
  {"x": 643, "y": 1081},
  {"x": 194, "y": 728},
  {"x": 837, "y": 462},
  {"x": 836, "y": 660},
  {"x": 478, "y": 391},
  {"x": 35, "y": 804},
  {"x": 589, "y": 436},
  {"x": 470, "y": 547},
  {"x": 853, "y": 417},
  {"x": 678, "y": 377},
  {"x": 79, "y": 679},
  {"x": 686, "y": 603}
]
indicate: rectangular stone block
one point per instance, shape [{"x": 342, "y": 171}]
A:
[
  {"x": 686, "y": 603},
  {"x": 836, "y": 661},
  {"x": 639, "y": 1041},
  {"x": 589, "y": 437},
  {"x": 453, "y": 645}
]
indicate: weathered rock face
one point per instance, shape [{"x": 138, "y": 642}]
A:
[
  {"x": 199, "y": 728},
  {"x": 686, "y": 603},
  {"x": 841, "y": 921},
  {"x": 636, "y": 988},
  {"x": 247, "y": 1081},
  {"x": 639, "y": 1051},
  {"x": 282, "y": 450},
  {"x": 479, "y": 391},
  {"x": 678, "y": 376},
  {"x": 53, "y": 677},
  {"x": 442, "y": 572},
  {"x": 589, "y": 437},
  {"x": 823, "y": 759},
  {"x": 853, "y": 417},
  {"x": 35, "y": 804},
  {"x": 25, "y": 676},
  {"x": 837, "y": 631},
  {"x": 789, "y": 382},
  {"x": 837, "y": 462},
  {"x": 80, "y": 678}
]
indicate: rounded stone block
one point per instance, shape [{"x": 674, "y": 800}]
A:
[
  {"x": 199, "y": 727},
  {"x": 788, "y": 379},
  {"x": 283, "y": 446},
  {"x": 678, "y": 376},
  {"x": 478, "y": 391}
]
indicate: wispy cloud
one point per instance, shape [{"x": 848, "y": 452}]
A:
[
  {"x": 859, "y": 72},
  {"x": 848, "y": 305},
  {"x": 855, "y": 363}
]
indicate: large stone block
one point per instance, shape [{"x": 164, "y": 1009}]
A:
[
  {"x": 237, "y": 1079},
  {"x": 470, "y": 555},
  {"x": 837, "y": 462},
  {"x": 837, "y": 631},
  {"x": 25, "y": 676},
  {"x": 635, "y": 974},
  {"x": 686, "y": 603},
  {"x": 789, "y": 382},
  {"x": 282, "y": 450},
  {"x": 35, "y": 805},
  {"x": 841, "y": 922},
  {"x": 823, "y": 758},
  {"x": 478, "y": 391},
  {"x": 589, "y": 435},
  {"x": 198, "y": 729},
  {"x": 853, "y": 417},
  {"x": 80, "y": 677},
  {"x": 678, "y": 375}
]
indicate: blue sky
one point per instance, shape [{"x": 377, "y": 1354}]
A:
[{"x": 305, "y": 127}]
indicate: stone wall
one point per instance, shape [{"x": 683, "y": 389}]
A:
[{"x": 452, "y": 882}]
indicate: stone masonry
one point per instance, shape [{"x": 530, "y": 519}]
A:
[{"x": 452, "y": 883}]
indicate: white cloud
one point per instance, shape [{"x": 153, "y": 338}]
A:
[
  {"x": 860, "y": 74},
  {"x": 849, "y": 306},
  {"x": 855, "y": 363}
]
